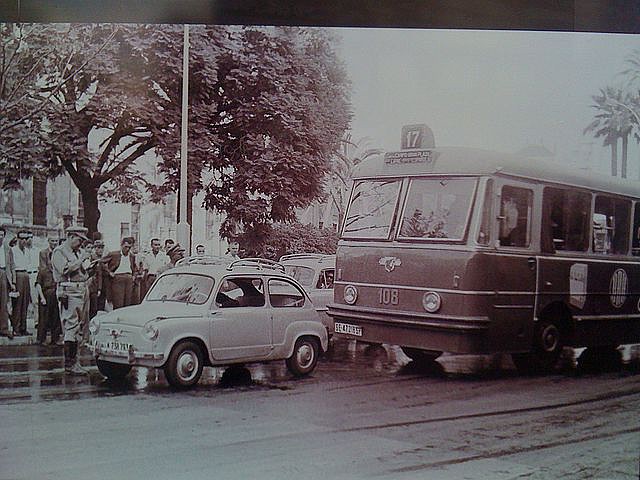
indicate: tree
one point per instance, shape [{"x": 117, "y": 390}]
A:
[
  {"x": 279, "y": 239},
  {"x": 612, "y": 122},
  {"x": 271, "y": 113},
  {"x": 633, "y": 103},
  {"x": 266, "y": 110},
  {"x": 343, "y": 164}
]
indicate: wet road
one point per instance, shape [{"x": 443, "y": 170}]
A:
[{"x": 366, "y": 411}]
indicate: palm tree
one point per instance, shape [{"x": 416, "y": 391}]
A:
[
  {"x": 633, "y": 77},
  {"x": 343, "y": 165},
  {"x": 613, "y": 122}
]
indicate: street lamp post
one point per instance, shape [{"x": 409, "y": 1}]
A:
[{"x": 184, "y": 229}]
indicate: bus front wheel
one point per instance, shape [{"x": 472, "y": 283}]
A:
[{"x": 547, "y": 347}]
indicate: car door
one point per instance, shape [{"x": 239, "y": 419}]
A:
[
  {"x": 241, "y": 325},
  {"x": 287, "y": 305}
]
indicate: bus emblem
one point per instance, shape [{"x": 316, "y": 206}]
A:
[
  {"x": 618, "y": 288},
  {"x": 390, "y": 263}
]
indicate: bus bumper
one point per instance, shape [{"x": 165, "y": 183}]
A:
[{"x": 411, "y": 329}]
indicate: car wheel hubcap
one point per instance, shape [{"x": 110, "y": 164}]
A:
[
  {"x": 550, "y": 338},
  {"x": 305, "y": 355},
  {"x": 187, "y": 366}
]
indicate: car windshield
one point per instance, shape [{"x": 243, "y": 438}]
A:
[
  {"x": 437, "y": 208},
  {"x": 304, "y": 275},
  {"x": 181, "y": 287},
  {"x": 371, "y": 209}
]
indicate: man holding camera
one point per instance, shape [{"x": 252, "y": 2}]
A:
[{"x": 70, "y": 265}]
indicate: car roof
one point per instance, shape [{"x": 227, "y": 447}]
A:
[{"x": 309, "y": 260}]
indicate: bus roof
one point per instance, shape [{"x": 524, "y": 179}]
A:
[{"x": 471, "y": 161}]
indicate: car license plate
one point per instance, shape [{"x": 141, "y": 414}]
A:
[
  {"x": 348, "y": 329},
  {"x": 116, "y": 347}
]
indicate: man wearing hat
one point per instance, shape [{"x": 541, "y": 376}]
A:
[
  {"x": 22, "y": 264},
  {"x": 175, "y": 253},
  {"x": 48, "y": 312},
  {"x": 70, "y": 266}
]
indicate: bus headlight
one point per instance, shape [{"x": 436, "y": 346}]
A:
[
  {"x": 150, "y": 331},
  {"x": 431, "y": 302},
  {"x": 350, "y": 294}
]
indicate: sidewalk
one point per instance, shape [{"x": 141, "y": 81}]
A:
[{"x": 27, "y": 340}]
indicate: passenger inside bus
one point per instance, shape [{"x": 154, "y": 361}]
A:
[{"x": 513, "y": 227}]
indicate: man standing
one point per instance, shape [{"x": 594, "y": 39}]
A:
[
  {"x": 232, "y": 251},
  {"x": 120, "y": 267},
  {"x": 22, "y": 265},
  {"x": 5, "y": 286},
  {"x": 95, "y": 279},
  {"x": 200, "y": 251},
  {"x": 70, "y": 274},
  {"x": 168, "y": 244},
  {"x": 48, "y": 311},
  {"x": 151, "y": 265}
]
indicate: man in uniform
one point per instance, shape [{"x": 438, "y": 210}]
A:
[
  {"x": 70, "y": 265},
  {"x": 5, "y": 286},
  {"x": 175, "y": 253},
  {"x": 48, "y": 312},
  {"x": 22, "y": 265}
]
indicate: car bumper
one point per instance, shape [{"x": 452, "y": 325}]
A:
[{"x": 130, "y": 357}]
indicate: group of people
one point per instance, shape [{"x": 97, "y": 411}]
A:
[{"x": 72, "y": 280}]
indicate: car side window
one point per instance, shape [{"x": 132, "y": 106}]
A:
[
  {"x": 284, "y": 294},
  {"x": 240, "y": 292}
]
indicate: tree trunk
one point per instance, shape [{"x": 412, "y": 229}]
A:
[
  {"x": 623, "y": 161},
  {"x": 614, "y": 158},
  {"x": 91, "y": 210}
]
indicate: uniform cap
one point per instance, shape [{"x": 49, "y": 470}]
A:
[
  {"x": 23, "y": 234},
  {"x": 98, "y": 243},
  {"x": 78, "y": 231}
]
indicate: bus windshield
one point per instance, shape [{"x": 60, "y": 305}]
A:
[
  {"x": 437, "y": 208},
  {"x": 371, "y": 210}
]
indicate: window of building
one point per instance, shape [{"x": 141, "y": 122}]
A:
[
  {"x": 515, "y": 216},
  {"x": 565, "y": 220},
  {"x": 611, "y": 225}
]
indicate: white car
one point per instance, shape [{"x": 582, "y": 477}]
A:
[
  {"x": 316, "y": 273},
  {"x": 211, "y": 315}
]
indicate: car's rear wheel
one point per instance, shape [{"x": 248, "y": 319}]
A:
[
  {"x": 305, "y": 356},
  {"x": 115, "y": 371},
  {"x": 184, "y": 366}
]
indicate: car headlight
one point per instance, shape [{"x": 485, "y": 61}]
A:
[
  {"x": 431, "y": 302},
  {"x": 350, "y": 294},
  {"x": 94, "y": 326},
  {"x": 150, "y": 331}
]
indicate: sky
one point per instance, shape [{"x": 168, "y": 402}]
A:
[{"x": 498, "y": 90}]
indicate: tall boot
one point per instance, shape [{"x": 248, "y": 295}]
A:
[
  {"x": 75, "y": 368},
  {"x": 68, "y": 362}
]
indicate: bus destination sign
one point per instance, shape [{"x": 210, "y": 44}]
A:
[{"x": 408, "y": 156}]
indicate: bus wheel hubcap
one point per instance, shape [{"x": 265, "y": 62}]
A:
[{"x": 550, "y": 338}]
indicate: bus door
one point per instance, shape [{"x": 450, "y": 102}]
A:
[{"x": 513, "y": 276}]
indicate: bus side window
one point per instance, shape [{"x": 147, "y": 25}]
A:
[
  {"x": 565, "y": 220},
  {"x": 635, "y": 249},
  {"x": 515, "y": 215},
  {"x": 611, "y": 225}
]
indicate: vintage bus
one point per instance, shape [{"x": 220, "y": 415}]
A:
[{"x": 470, "y": 251}]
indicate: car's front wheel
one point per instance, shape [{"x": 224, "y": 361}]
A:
[
  {"x": 184, "y": 366},
  {"x": 305, "y": 356},
  {"x": 114, "y": 371}
]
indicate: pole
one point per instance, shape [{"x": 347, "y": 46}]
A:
[{"x": 184, "y": 229}]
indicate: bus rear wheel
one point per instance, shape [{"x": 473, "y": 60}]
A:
[
  {"x": 547, "y": 348},
  {"x": 421, "y": 356}
]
